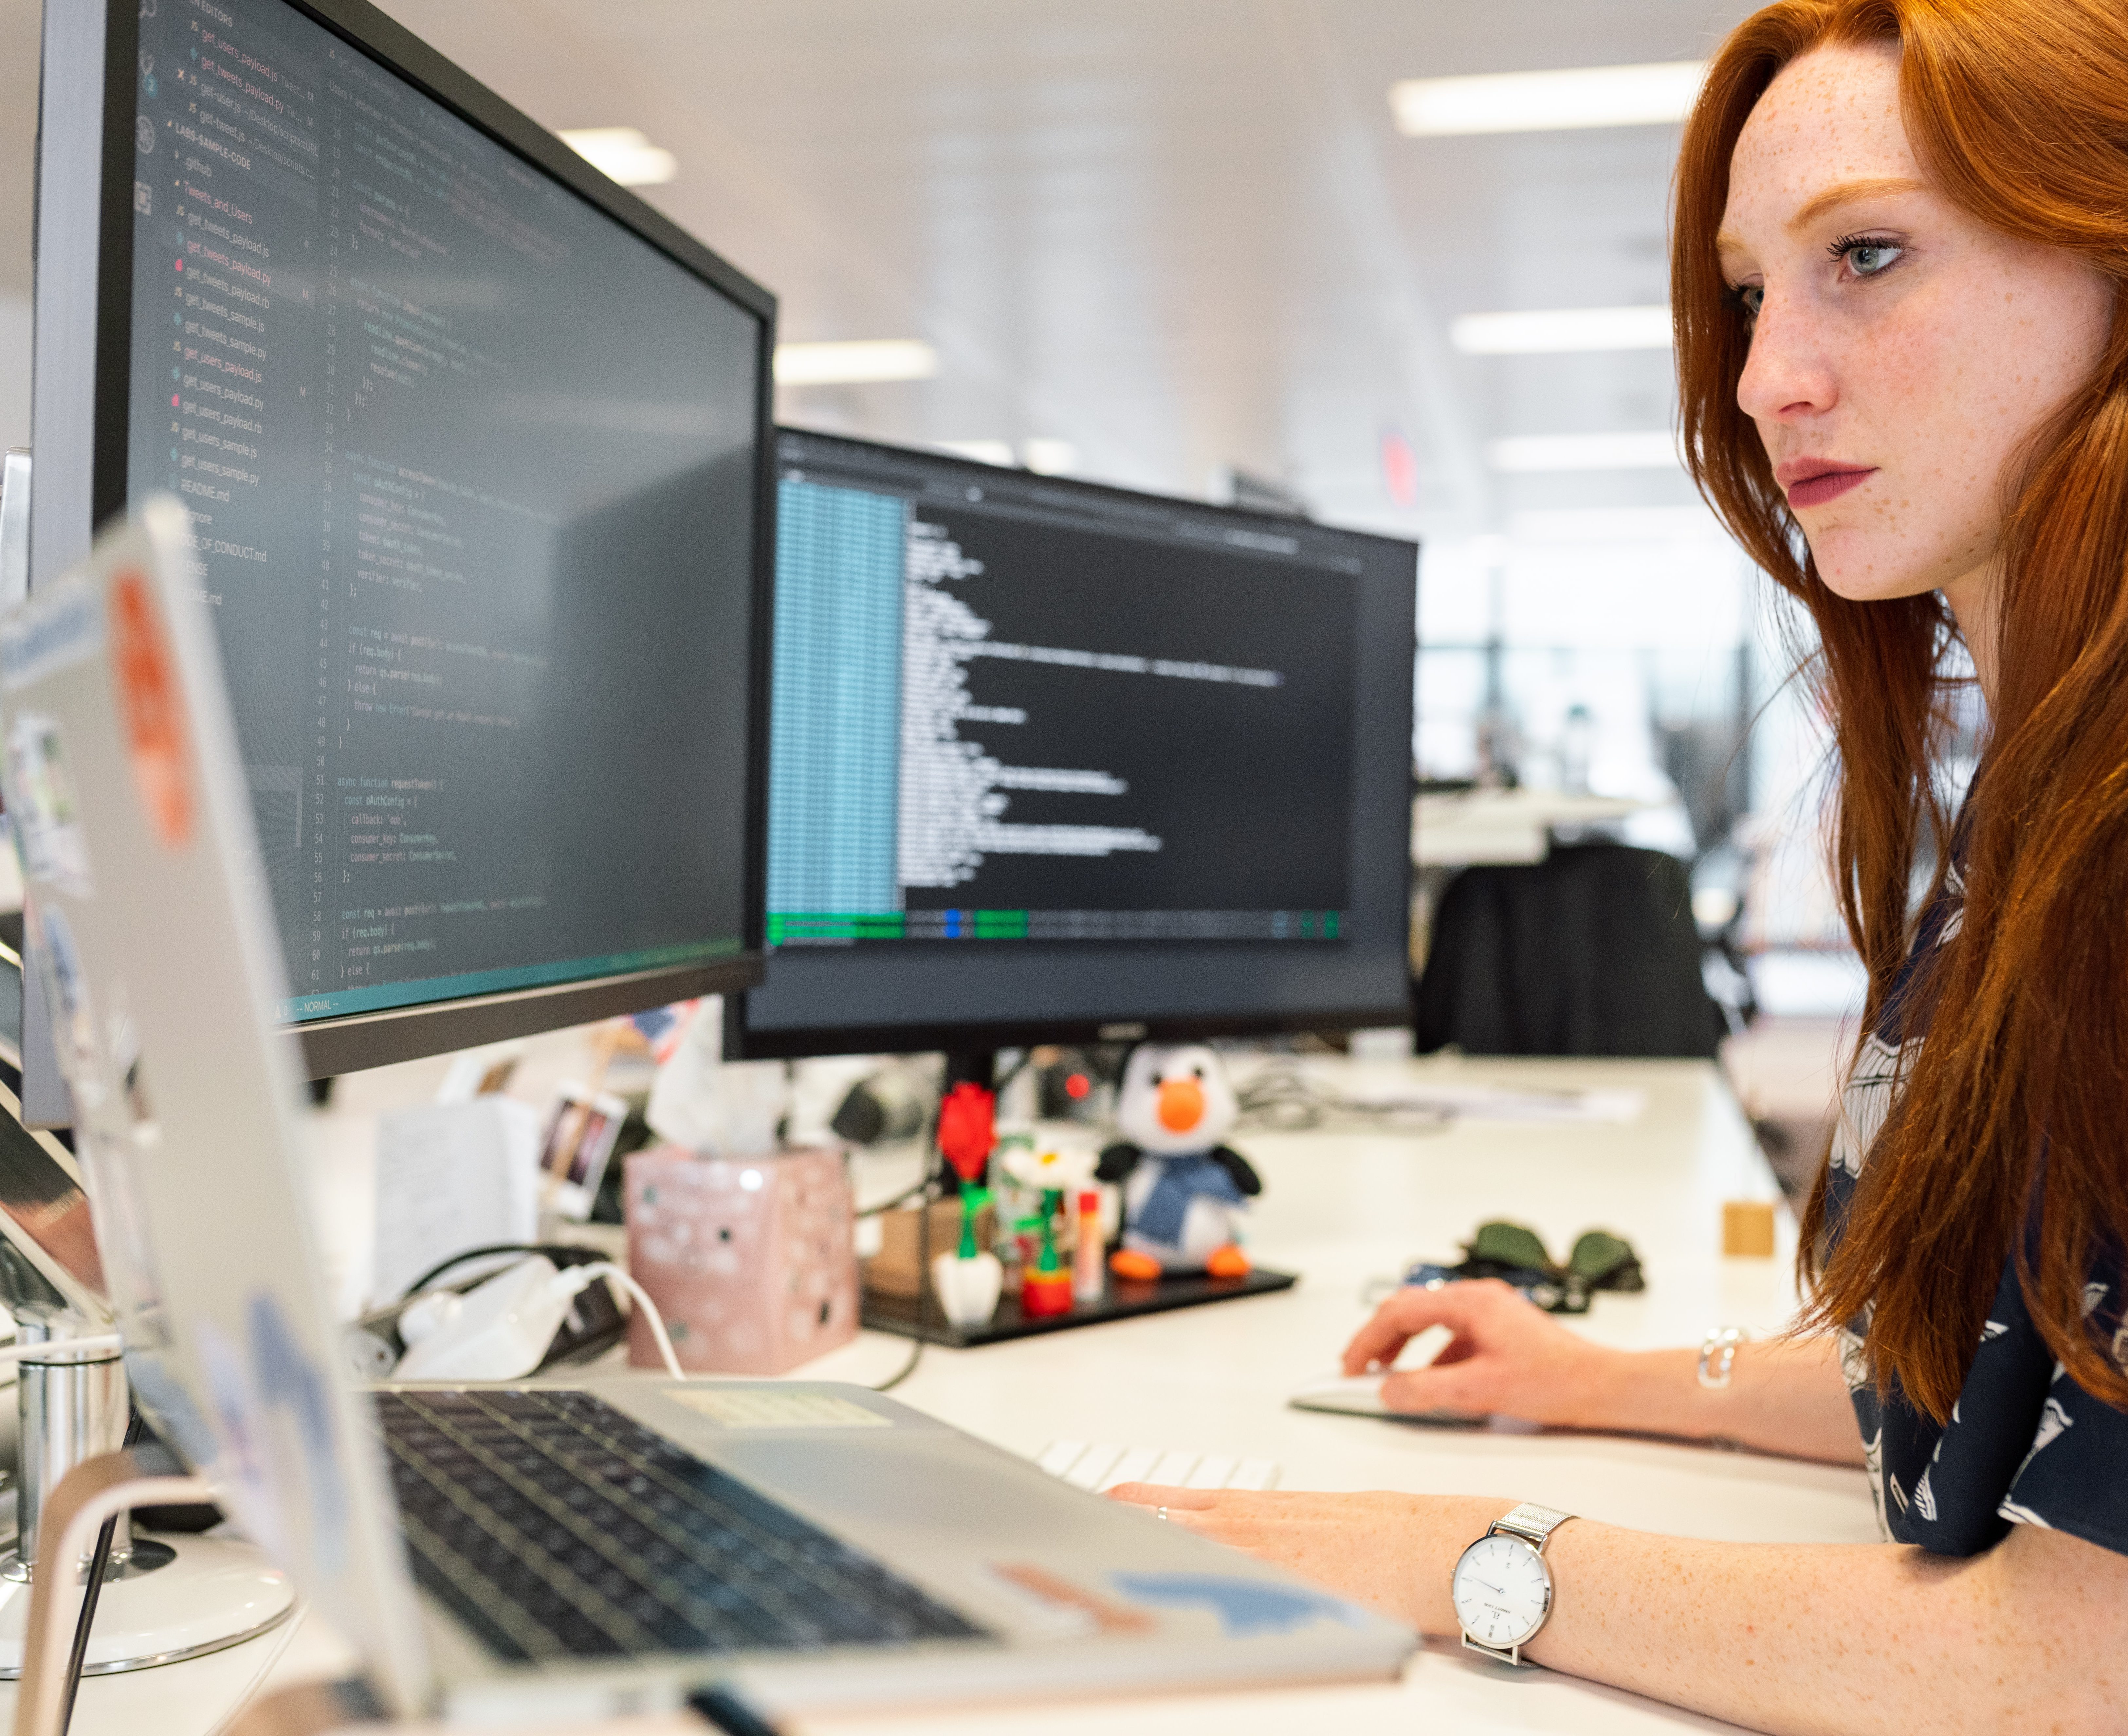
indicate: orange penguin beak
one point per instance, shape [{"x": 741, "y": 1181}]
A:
[{"x": 1181, "y": 1104}]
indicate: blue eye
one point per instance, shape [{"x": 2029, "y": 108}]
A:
[
  {"x": 1750, "y": 297},
  {"x": 1866, "y": 255}
]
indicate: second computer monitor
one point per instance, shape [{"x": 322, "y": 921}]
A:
[{"x": 1056, "y": 760}]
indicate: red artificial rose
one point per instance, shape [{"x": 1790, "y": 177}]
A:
[{"x": 967, "y": 1129}]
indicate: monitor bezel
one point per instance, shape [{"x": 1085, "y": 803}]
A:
[
  {"x": 354, "y": 1041},
  {"x": 744, "y": 1042}
]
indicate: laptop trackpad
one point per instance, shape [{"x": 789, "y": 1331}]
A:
[{"x": 934, "y": 1486}]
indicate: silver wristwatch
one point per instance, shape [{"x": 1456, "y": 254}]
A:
[{"x": 1502, "y": 1585}]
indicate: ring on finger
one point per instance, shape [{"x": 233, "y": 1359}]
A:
[{"x": 1161, "y": 1516}]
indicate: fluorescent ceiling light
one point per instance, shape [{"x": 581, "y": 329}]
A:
[
  {"x": 983, "y": 452},
  {"x": 1653, "y": 449},
  {"x": 1658, "y": 92},
  {"x": 853, "y": 363},
  {"x": 1559, "y": 331},
  {"x": 622, "y": 153}
]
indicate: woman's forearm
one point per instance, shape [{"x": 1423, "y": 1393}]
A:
[
  {"x": 1847, "y": 1637},
  {"x": 1783, "y": 1397},
  {"x": 1794, "y": 1638}
]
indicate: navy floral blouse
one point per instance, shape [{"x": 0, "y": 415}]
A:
[{"x": 2025, "y": 1444}]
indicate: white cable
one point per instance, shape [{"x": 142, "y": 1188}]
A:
[{"x": 580, "y": 1276}]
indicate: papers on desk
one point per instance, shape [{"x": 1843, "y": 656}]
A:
[{"x": 1476, "y": 1102}]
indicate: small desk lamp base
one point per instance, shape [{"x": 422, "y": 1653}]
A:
[{"x": 180, "y": 1596}]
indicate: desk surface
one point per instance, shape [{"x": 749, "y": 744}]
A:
[
  {"x": 1502, "y": 825},
  {"x": 1342, "y": 1206}
]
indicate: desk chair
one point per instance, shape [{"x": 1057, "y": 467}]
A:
[{"x": 1591, "y": 952}]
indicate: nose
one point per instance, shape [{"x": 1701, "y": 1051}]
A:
[
  {"x": 1181, "y": 1104},
  {"x": 1788, "y": 373}
]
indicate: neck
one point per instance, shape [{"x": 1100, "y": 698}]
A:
[{"x": 1973, "y": 597}]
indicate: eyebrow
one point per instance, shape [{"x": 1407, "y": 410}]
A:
[
  {"x": 1845, "y": 192},
  {"x": 1848, "y": 192}
]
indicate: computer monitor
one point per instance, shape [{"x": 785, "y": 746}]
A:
[
  {"x": 476, "y": 446},
  {"x": 1058, "y": 762}
]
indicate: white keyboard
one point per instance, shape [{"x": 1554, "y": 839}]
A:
[{"x": 1098, "y": 1467}]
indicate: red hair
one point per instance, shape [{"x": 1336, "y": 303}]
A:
[{"x": 2010, "y": 1138}]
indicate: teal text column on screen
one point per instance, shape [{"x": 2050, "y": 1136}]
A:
[{"x": 836, "y": 727}]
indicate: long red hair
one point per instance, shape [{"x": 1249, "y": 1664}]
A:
[{"x": 2010, "y": 1138}]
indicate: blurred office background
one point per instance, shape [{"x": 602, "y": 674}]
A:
[{"x": 1194, "y": 245}]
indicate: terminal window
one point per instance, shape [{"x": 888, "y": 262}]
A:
[
  {"x": 471, "y": 469},
  {"x": 1009, "y": 708}
]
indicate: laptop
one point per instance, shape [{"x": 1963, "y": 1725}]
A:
[{"x": 569, "y": 1547}]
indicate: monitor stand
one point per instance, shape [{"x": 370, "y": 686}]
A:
[{"x": 918, "y": 1316}]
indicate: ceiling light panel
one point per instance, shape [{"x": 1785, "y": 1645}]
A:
[
  {"x": 623, "y": 154},
  {"x": 1653, "y": 449},
  {"x": 1654, "y": 93},
  {"x": 1557, "y": 331},
  {"x": 858, "y": 363}
]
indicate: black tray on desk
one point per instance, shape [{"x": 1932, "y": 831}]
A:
[{"x": 1121, "y": 1300}]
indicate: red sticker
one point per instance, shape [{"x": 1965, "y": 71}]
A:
[{"x": 154, "y": 712}]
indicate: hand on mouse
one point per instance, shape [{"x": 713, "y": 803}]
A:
[{"x": 1508, "y": 1358}]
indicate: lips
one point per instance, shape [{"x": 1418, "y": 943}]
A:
[{"x": 1813, "y": 482}]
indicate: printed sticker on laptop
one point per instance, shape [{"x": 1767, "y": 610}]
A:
[
  {"x": 47, "y": 816},
  {"x": 151, "y": 707},
  {"x": 53, "y": 630},
  {"x": 756, "y": 1407}
]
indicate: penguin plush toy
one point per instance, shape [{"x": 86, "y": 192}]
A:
[{"x": 1184, "y": 1191}]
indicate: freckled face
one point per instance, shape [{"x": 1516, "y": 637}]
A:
[{"x": 1901, "y": 352}]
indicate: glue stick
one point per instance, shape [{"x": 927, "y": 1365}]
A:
[{"x": 1087, "y": 1277}]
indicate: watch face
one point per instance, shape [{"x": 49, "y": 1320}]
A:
[{"x": 1501, "y": 1590}]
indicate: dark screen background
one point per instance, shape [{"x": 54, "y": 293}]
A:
[
  {"x": 472, "y": 470},
  {"x": 1247, "y": 788}
]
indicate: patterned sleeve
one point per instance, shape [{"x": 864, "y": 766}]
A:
[{"x": 2074, "y": 1478}]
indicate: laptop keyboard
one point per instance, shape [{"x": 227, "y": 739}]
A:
[{"x": 556, "y": 1527}]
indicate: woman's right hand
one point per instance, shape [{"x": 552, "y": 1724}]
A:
[{"x": 1508, "y": 1357}]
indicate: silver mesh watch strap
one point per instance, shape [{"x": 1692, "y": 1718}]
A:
[{"x": 1534, "y": 1524}]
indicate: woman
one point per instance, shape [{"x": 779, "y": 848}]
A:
[{"x": 1901, "y": 240}]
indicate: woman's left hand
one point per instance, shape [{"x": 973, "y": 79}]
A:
[{"x": 1392, "y": 1552}]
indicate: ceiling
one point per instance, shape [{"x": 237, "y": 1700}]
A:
[{"x": 1178, "y": 235}]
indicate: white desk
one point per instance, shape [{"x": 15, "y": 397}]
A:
[
  {"x": 1340, "y": 1206},
  {"x": 1454, "y": 830}
]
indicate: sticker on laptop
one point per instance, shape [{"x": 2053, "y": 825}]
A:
[
  {"x": 1053, "y": 1607},
  {"x": 151, "y": 708},
  {"x": 758, "y": 1407},
  {"x": 47, "y": 815},
  {"x": 1243, "y": 1606},
  {"x": 278, "y": 1468},
  {"x": 75, "y": 1039},
  {"x": 53, "y": 630}
]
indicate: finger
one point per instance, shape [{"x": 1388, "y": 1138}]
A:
[
  {"x": 1462, "y": 1307},
  {"x": 1418, "y": 1391},
  {"x": 1379, "y": 1343},
  {"x": 1456, "y": 1350},
  {"x": 1161, "y": 1495}
]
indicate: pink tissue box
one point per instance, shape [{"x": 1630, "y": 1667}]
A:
[{"x": 750, "y": 1260}]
